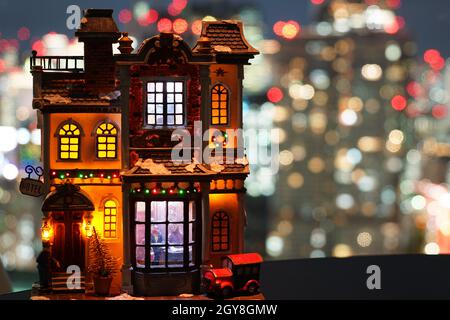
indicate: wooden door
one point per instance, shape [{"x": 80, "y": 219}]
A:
[{"x": 68, "y": 243}]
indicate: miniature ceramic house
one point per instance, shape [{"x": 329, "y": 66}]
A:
[{"x": 107, "y": 144}]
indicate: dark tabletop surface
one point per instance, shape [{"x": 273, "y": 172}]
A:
[{"x": 401, "y": 277}]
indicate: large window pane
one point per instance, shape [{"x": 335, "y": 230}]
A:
[
  {"x": 158, "y": 211},
  {"x": 158, "y": 234},
  {"x": 140, "y": 234},
  {"x": 175, "y": 256},
  {"x": 157, "y": 257},
  {"x": 140, "y": 211},
  {"x": 176, "y": 211},
  {"x": 140, "y": 257},
  {"x": 175, "y": 233}
]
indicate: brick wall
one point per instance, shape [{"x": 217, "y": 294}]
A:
[{"x": 99, "y": 65}]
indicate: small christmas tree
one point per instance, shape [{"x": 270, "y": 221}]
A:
[{"x": 101, "y": 262}]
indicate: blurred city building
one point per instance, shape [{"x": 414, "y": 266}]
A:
[
  {"x": 341, "y": 111},
  {"x": 424, "y": 186}
]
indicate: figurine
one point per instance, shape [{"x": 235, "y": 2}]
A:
[
  {"x": 111, "y": 124},
  {"x": 45, "y": 261},
  {"x": 239, "y": 274}
]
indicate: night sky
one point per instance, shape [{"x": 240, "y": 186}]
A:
[{"x": 427, "y": 20}]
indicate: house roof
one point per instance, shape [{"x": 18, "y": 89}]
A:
[
  {"x": 166, "y": 167},
  {"x": 226, "y": 37},
  {"x": 160, "y": 167}
]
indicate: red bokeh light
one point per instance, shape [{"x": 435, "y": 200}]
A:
[
  {"x": 317, "y": 2},
  {"x": 23, "y": 34},
  {"x": 278, "y": 27},
  {"x": 179, "y": 4},
  {"x": 164, "y": 25},
  {"x": 439, "y": 111},
  {"x": 438, "y": 64},
  {"x": 288, "y": 30},
  {"x": 150, "y": 17},
  {"x": 196, "y": 27},
  {"x": 172, "y": 10},
  {"x": 398, "y": 102},
  {"x": 180, "y": 26},
  {"x": 2, "y": 66},
  {"x": 125, "y": 16},
  {"x": 274, "y": 94},
  {"x": 431, "y": 56},
  {"x": 395, "y": 26},
  {"x": 414, "y": 89},
  {"x": 39, "y": 47}
]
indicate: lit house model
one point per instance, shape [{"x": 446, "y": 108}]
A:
[{"x": 107, "y": 126}]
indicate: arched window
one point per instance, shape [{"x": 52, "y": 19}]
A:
[
  {"x": 69, "y": 141},
  {"x": 110, "y": 219},
  {"x": 106, "y": 141},
  {"x": 220, "y": 231},
  {"x": 219, "y": 105}
]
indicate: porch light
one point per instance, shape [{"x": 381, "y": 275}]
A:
[
  {"x": 47, "y": 231},
  {"x": 88, "y": 225}
]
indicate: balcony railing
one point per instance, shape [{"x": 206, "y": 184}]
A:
[{"x": 57, "y": 63}]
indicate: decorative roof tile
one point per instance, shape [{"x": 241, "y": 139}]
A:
[{"x": 227, "y": 37}]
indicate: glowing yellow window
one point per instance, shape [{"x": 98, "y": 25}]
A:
[
  {"x": 69, "y": 142},
  {"x": 219, "y": 105},
  {"x": 110, "y": 219},
  {"x": 106, "y": 141}
]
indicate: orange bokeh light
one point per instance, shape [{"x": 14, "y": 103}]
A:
[{"x": 180, "y": 26}]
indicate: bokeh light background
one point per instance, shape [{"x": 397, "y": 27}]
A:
[{"x": 356, "y": 94}]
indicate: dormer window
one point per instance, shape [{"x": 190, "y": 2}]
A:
[{"x": 165, "y": 103}]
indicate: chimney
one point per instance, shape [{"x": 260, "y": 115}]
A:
[{"x": 98, "y": 31}]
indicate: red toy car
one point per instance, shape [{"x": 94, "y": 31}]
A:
[{"x": 240, "y": 273}]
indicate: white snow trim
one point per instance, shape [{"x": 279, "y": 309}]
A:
[
  {"x": 191, "y": 166},
  {"x": 154, "y": 168},
  {"x": 125, "y": 296},
  {"x": 243, "y": 161},
  {"x": 222, "y": 49}
]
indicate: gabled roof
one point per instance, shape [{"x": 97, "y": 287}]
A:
[{"x": 226, "y": 37}]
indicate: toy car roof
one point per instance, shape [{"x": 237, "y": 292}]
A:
[
  {"x": 221, "y": 272},
  {"x": 244, "y": 258}
]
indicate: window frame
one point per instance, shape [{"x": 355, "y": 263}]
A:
[
  {"x": 165, "y": 79},
  {"x": 227, "y": 108},
  {"x": 220, "y": 228},
  {"x": 116, "y": 223},
  {"x": 95, "y": 135},
  {"x": 58, "y": 136},
  {"x": 196, "y": 243}
]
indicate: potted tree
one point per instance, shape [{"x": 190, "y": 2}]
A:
[{"x": 102, "y": 265}]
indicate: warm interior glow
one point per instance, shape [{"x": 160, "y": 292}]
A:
[{"x": 47, "y": 232}]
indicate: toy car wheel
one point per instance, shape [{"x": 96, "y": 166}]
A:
[
  {"x": 226, "y": 292},
  {"x": 253, "y": 288}
]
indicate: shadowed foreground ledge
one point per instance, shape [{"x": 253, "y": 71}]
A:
[{"x": 401, "y": 277}]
